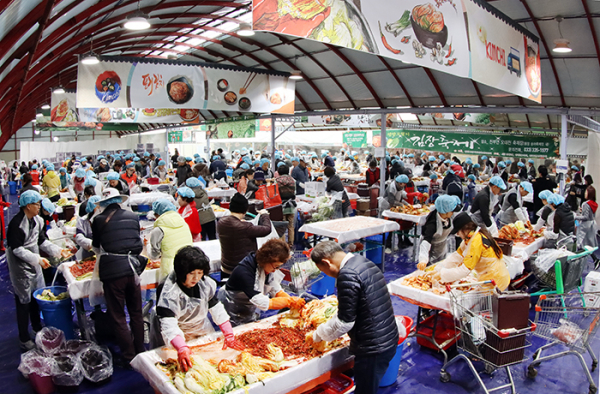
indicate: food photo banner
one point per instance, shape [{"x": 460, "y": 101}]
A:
[
  {"x": 435, "y": 34},
  {"x": 354, "y": 139},
  {"x": 129, "y": 83},
  {"x": 477, "y": 144}
]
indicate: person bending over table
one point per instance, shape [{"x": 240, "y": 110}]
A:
[
  {"x": 255, "y": 284},
  {"x": 478, "y": 252},
  {"x": 563, "y": 222},
  {"x": 335, "y": 185},
  {"x": 546, "y": 213},
  {"x": 116, "y": 183},
  {"x": 365, "y": 312},
  {"x": 160, "y": 171},
  {"x": 187, "y": 297},
  {"x": 484, "y": 204},
  {"x": 170, "y": 234},
  {"x": 83, "y": 234},
  {"x": 436, "y": 230},
  {"x": 512, "y": 206}
]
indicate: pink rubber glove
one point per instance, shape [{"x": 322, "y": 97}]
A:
[
  {"x": 229, "y": 337},
  {"x": 183, "y": 353}
]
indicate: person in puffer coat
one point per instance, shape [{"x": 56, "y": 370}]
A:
[{"x": 365, "y": 312}]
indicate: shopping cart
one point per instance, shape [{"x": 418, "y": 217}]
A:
[
  {"x": 570, "y": 320},
  {"x": 481, "y": 340},
  {"x": 567, "y": 271},
  {"x": 300, "y": 273}
]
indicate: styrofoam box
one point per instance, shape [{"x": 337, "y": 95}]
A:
[
  {"x": 314, "y": 189},
  {"x": 592, "y": 284}
]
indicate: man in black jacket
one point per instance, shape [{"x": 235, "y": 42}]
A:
[
  {"x": 116, "y": 239},
  {"x": 365, "y": 312}
]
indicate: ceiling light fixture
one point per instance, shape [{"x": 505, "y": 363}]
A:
[
  {"x": 245, "y": 30},
  {"x": 39, "y": 114},
  {"x": 561, "y": 45},
  {"x": 58, "y": 90},
  {"x": 46, "y": 106},
  {"x": 36, "y": 131},
  {"x": 296, "y": 75},
  {"x": 55, "y": 139},
  {"x": 137, "y": 21},
  {"x": 90, "y": 57}
]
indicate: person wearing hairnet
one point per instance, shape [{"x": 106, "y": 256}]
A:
[
  {"x": 65, "y": 179},
  {"x": 264, "y": 168},
  {"x": 217, "y": 168},
  {"x": 205, "y": 212},
  {"x": 182, "y": 308},
  {"x": 77, "y": 184},
  {"x": 83, "y": 232},
  {"x": 189, "y": 212},
  {"x": 502, "y": 172},
  {"x": 115, "y": 181},
  {"x": 477, "y": 252},
  {"x": 546, "y": 213},
  {"x": 395, "y": 194},
  {"x": 51, "y": 184},
  {"x": 170, "y": 233},
  {"x": 255, "y": 284},
  {"x": 522, "y": 171},
  {"x": 512, "y": 208},
  {"x": 96, "y": 184},
  {"x": 130, "y": 176},
  {"x": 25, "y": 238},
  {"x": 46, "y": 212},
  {"x": 117, "y": 243},
  {"x": 563, "y": 223},
  {"x": 531, "y": 173},
  {"x": 435, "y": 231},
  {"x": 484, "y": 204},
  {"x": 35, "y": 175},
  {"x": 160, "y": 171}
]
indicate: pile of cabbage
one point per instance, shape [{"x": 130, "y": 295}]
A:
[{"x": 324, "y": 210}]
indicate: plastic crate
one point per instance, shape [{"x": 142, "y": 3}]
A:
[
  {"x": 501, "y": 352},
  {"x": 444, "y": 330},
  {"x": 338, "y": 384}
]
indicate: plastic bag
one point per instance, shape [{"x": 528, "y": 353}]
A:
[
  {"x": 75, "y": 346},
  {"x": 36, "y": 361},
  {"x": 269, "y": 195},
  {"x": 547, "y": 257},
  {"x": 67, "y": 371},
  {"x": 50, "y": 340},
  {"x": 97, "y": 363},
  {"x": 515, "y": 264},
  {"x": 568, "y": 332},
  {"x": 261, "y": 241}
]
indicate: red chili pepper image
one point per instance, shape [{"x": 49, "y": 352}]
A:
[
  {"x": 449, "y": 51},
  {"x": 386, "y": 44},
  {"x": 451, "y": 62}
]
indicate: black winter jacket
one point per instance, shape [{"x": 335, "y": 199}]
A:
[
  {"x": 118, "y": 232},
  {"x": 564, "y": 220},
  {"x": 364, "y": 299}
]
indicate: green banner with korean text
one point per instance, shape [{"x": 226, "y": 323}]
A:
[
  {"x": 523, "y": 146},
  {"x": 355, "y": 139}
]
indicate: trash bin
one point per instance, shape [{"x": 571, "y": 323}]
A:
[
  {"x": 57, "y": 313},
  {"x": 374, "y": 249},
  {"x": 324, "y": 286},
  {"x": 13, "y": 187},
  {"x": 391, "y": 374}
]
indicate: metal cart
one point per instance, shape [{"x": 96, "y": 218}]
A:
[
  {"x": 481, "y": 340},
  {"x": 570, "y": 320},
  {"x": 298, "y": 279}
]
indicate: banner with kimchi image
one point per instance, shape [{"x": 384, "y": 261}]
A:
[
  {"x": 63, "y": 108},
  {"x": 128, "y": 83}
]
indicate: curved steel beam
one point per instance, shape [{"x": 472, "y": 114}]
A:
[
  {"x": 436, "y": 86},
  {"x": 592, "y": 28},
  {"x": 397, "y": 78}
]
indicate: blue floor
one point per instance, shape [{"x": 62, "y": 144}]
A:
[{"x": 419, "y": 370}]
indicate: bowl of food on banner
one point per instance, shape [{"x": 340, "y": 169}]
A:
[
  {"x": 180, "y": 89},
  {"x": 108, "y": 86},
  {"x": 428, "y": 25}
]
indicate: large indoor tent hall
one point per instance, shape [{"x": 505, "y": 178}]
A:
[{"x": 299, "y": 196}]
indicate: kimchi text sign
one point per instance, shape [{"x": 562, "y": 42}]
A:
[{"x": 123, "y": 83}]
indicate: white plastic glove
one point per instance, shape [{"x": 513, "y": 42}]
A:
[
  {"x": 493, "y": 229},
  {"x": 549, "y": 234},
  {"x": 424, "y": 254},
  {"x": 520, "y": 212},
  {"x": 448, "y": 275},
  {"x": 539, "y": 224}
]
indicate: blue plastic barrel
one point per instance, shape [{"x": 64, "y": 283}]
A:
[
  {"x": 324, "y": 286},
  {"x": 391, "y": 373},
  {"x": 13, "y": 187},
  {"x": 57, "y": 313},
  {"x": 374, "y": 249}
]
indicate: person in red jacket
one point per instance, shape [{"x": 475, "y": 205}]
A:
[
  {"x": 35, "y": 175},
  {"x": 189, "y": 212},
  {"x": 373, "y": 173}
]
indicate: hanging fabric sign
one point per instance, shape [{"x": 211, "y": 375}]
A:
[
  {"x": 477, "y": 144},
  {"x": 354, "y": 139},
  {"x": 129, "y": 83},
  {"x": 237, "y": 129}
]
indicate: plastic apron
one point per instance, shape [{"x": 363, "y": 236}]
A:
[
  {"x": 586, "y": 233},
  {"x": 507, "y": 215},
  {"x": 549, "y": 219},
  {"x": 476, "y": 217},
  {"x": 239, "y": 307},
  {"x": 439, "y": 244},
  {"x": 399, "y": 196},
  {"x": 488, "y": 268},
  {"x": 26, "y": 277}
]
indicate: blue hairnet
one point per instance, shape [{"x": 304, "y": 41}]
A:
[
  {"x": 411, "y": 155},
  {"x": 245, "y": 166},
  {"x": 449, "y": 172},
  {"x": 247, "y": 159},
  {"x": 401, "y": 162},
  {"x": 192, "y": 182},
  {"x": 90, "y": 182},
  {"x": 186, "y": 192},
  {"x": 162, "y": 163},
  {"x": 555, "y": 199},
  {"x": 433, "y": 175},
  {"x": 91, "y": 203},
  {"x": 136, "y": 159},
  {"x": 394, "y": 161},
  {"x": 476, "y": 165},
  {"x": 263, "y": 161},
  {"x": 545, "y": 194},
  {"x": 469, "y": 161},
  {"x": 303, "y": 152},
  {"x": 216, "y": 157},
  {"x": 501, "y": 165},
  {"x": 452, "y": 162},
  {"x": 34, "y": 167},
  {"x": 48, "y": 206},
  {"x": 572, "y": 167},
  {"x": 188, "y": 158},
  {"x": 441, "y": 157},
  {"x": 62, "y": 169},
  {"x": 50, "y": 167},
  {"x": 446, "y": 203},
  {"x": 112, "y": 176},
  {"x": 527, "y": 186},
  {"x": 314, "y": 156},
  {"x": 90, "y": 174},
  {"x": 256, "y": 162},
  {"x": 287, "y": 156},
  {"x": 84, "y": 160},
  {"x": 202, "y": 181},
  {"x": 472, "y": 177},
  {"x": 117, "y": 157},
  {"x": 130, "y": 165},
  {"x": 197, "y": 160},
  {"x": 114, "y": 200},
  {"x": 146, "y": 154},
  {"x": 295, "y": 158},
  {"x": 80, "y": 173},
  {"x": 323, "y": 155},
  {"x": 521, "y": 164},
  {"x": 402, "y": 178},
  {"x": 423, "y": 154},
  {"x": 29, "y": 197},
  {"x": 484, "y": 157},
  {"x": 446, "y": 161},
  {"x": 498, "y": 181},
  {"x": 508, "y": 162},
  {"x": 431, "y": 158},
  {"x": 158, "y": 155},
  {"x": 162, "y": 205},
  {"x": 334, "y": 158},
  {"x": 198, "y": 155},
  {"x": 530, "y": 161},
  {"x": 280, "y": 164}
]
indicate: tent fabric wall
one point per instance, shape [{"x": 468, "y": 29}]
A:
[
  {"x": 593, "y": 162},
  {"x": 577, "y": 147}
]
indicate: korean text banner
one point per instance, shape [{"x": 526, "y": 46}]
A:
[
  {"x": 476, "y": 144},
  {"x": 428, "y": 33},
  {"x": 126, "y": 83},
  {"x": 355, "y": 139}
]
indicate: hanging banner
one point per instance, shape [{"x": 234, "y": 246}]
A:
[
  {"x": 354, "y": 139},
  {"x": 432, "y": 34},
  {"x": 63, "y": 108},
  {"x": 237, "y": 129},
  {"x": 502, "y": 56},
  {"x": 183, "y": 134},
  {"x": 130, "y": 83},
  {"x": 477, "y": 144}
]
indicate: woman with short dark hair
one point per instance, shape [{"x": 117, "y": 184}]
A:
[
  {"x": 255, "y": 284},
  {"x": 541, "y": 183},
  {"x": 334, "y": 184}
]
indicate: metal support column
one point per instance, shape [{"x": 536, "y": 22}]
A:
[
  {"x": 167, "y": 159},
  {"x": 383, "y": 162},
  {"x": 273, "y": 119},
  {"x": 563, "y": 148}
]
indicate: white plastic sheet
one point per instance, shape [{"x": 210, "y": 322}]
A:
[
  {"x": 519, "y": 248},
  {"x": 217, "y": 192},
  {"x": 148, "y": 198},
  {"x": 212, "y": 249},
  {"x": 349, "y": 229},
  {"x": 418, "y": 219},
  {"x": 419, "y": 296}
]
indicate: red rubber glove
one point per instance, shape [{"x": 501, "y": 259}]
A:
[
  {"x": 229, "y": 340},
  {"x": 183, "y": 353}
]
